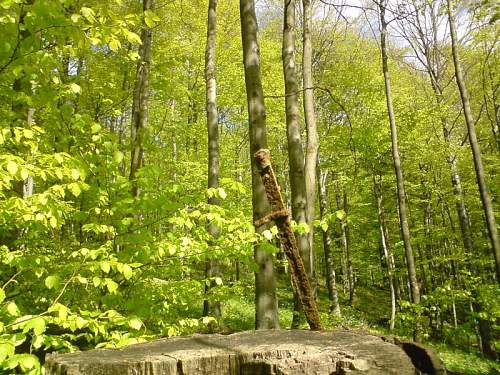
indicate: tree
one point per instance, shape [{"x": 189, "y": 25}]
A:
[
  {"x": 403, "y": 216},
  {"x": 311, "y": 129},
  {"x": 327, "y": 242},
  {"x": 266, "y": 303},
  {"x": 384, "y": 242},
  {"x": 212, "y": 308},
  {"x": 141, "y": 98},
  {"x": 295, "y": 153},
  {"x": 474, "y": 145}
]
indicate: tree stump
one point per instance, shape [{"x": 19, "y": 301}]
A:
[{"x": 266, "y": 352}]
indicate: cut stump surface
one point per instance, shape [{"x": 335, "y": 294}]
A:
[{"x": 263, "y": 352}]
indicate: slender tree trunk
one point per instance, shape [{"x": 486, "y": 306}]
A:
[
  {"x": 474, "y": 144},
  {"x": 435, "y": 68},
  {"x": 140, "y": 101},
  {"x": 281, "y": 216},
  {"x": 266, "y": 301},
  {"x": 327, "y": 244},
  {"x": 212, "y": 308},
  {"x": 342, "y": 204},
  {"x": 385, "y": 246},
  {"x": 295, "y": 153},
  {"x": 311, "y": 129},
  {"x": 405, "y": 232}
]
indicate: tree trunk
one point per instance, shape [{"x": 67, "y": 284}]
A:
[
  {"x": 341, "y": 198},
  {"x": 212, "y": 270},
  {"x": 327, "y": 244},
  {"x": 266, "y": 302},
  {"x": 295, "y": 153},
  {"x": 140, "y": 101},
  {"x": 474, "y": 144},
  {"x": 385, "y": 246},
  {"x": 311, "y": 129},
  {"x": 405, "y": 232},
  {"x": 281, "y": 216}
]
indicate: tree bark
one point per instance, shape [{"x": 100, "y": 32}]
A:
[
  {"x": 474, "y": 144},
  {"x": 342, "y": 205},
  {"x": 405, "y": 232},
  {"x": 331, "y": 284},
  {"x": 295, "y": 153},
  {"x": 281, "y": 216},
  {"x": 266, "y": 302},
  {"x": 212, "y": 270},
  {"x": 140, "y": 101},
  {"x": 311, "y": 129},
  {"x": 386, "y": 249}
]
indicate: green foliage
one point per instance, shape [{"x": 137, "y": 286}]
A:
[{"x": 84, "y": 264}]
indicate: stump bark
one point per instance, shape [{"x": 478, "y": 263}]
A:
[{"x": 266, "y": 352}]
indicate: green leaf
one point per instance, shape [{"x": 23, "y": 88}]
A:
[
  {"x": 6, "y": 350},
  {"x": 24, "y": 174},
  {"x": 52, "y": 281},
  {"x": 6, "y": 4},
  {"x": 221, "y": 193},
  {"x": 127, "y": 271},
  {"x": 118, "y": 157},
  {"x": 133, "y": 37},
  {"x": 96, "y": 281},
  {"x": 105, "y": 266},
  {"x": 135, "y": 324},
  {"x": 80, "y": 322},
  {"x": 12, "y": 309},
  {"x": 114, "y": 44},
  {"x": 340, "y": 214},
  {"x": 268, "y": 235},
  {"x": 2, "y": 296},
  {"x": 150, "y": 18},
  {"x": 111, "y": 285},
  {"x": 37, "y": 342},
  {"x": 218, "y": 281},
  {"x": 53, "y": 222},
  {"x": 59, "y": 174},
  {"x": 28, "y": 133},
  {"x": 12, "y": 167},
  {"x": 95, "y": 128},
  {"x": 172, "y": 249},
  {"x": 75, "y": 174},
  {"x": 36, "y": 324},
  {"x": 27, "y": 361},
  {"x": 74, "y": 187},
  {"x": 75, "y": 88},
  {"x": 89, "y": 14}
]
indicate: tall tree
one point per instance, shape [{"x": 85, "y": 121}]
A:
[
  {"x": 342, "y": 206},
  {"x": 474, "y": 144},
  {"x": 421, "y": 31},
  {"x": 295, "y": 152},
  {"x": 212, "y": 308},
  {"x": 140, "y": 100},
  {"x": 403, "y": 215},
  {"x": 266, "y": 303},
  {"x": 331, "y": 283},
  {"x": 384, "y": 242},
  {"x": 311, "y": 129}
]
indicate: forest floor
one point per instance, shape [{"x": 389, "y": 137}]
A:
[{"x": 369, "y": 312}]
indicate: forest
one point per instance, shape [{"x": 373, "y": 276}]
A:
[{"x": 131, "y": 203}]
